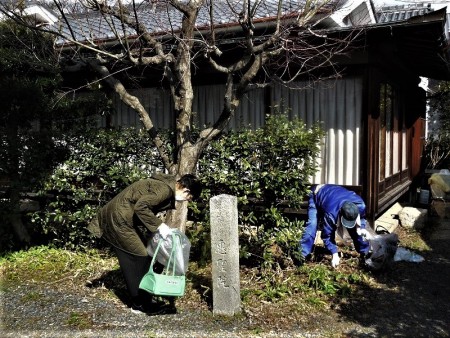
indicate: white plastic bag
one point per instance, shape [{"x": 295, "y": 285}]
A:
[
  {"x": 181, "y": 256},
  {"x": 403, "y": 254},
  {"x": 383, "y": 249}
]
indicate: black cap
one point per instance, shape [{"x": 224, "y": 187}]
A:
[{"x": 349, "y": 213}]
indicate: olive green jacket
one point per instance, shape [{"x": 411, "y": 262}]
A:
[{"x": 125, "y": 220}]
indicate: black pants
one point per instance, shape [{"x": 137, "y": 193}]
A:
[{"x": 134, "y": 268}]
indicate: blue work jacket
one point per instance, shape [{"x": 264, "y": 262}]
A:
[{"x": 324, "y": 206}]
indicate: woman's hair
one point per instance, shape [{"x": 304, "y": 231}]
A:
[{"x": 191, "y": 182}]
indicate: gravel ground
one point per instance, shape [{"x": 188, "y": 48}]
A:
[{"x": 56, "y": 313}]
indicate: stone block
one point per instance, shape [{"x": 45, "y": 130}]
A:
[
  {"x": 389, "y": 220},
  {"x": 412, "y": 218},
  {"x": 388, "y": 224}
]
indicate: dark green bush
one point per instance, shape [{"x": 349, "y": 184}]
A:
[
  {"x": 34, "y": 110},
  {"x": 268, "y": 169},
  {"x": 98, "y": 165},
  {"x": 38, "y": 153}
]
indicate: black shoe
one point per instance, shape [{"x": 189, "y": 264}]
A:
[
  {"x": 148, "y": 309},
  {"x": 169, "y": 310},
  {"x": 163, "y": 310},
  {"x": 138, "y": 309},
  {"x": 148, "y": 305}
]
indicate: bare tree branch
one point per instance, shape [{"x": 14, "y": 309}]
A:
[
  {"x": 251, "y": 42},
  {"x": 134, "y": 103}
]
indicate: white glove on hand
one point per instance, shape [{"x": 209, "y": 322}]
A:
[
  {"x": 164, "y": 230},
  {"x": 364, "y": 234},
  {"x": 335, "y": 260}
]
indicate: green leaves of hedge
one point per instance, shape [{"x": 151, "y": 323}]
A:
[
  {"x": 268, "y": 169},
  {"x": 272, "y": 164},
  {"x": 98, "y": 164}
]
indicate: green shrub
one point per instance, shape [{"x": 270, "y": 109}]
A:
[
  {"x": 331, "y": 282},
  {"x": 268, "y": 169},
  {"x": 98, "y": 164},
  {"x": 272, "y": 164}
]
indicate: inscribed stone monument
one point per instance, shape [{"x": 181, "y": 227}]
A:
[{"x": 225, "y": 255}]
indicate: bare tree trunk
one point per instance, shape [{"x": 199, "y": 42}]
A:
[
  {"x": 177, "y": 218},
  {"x": 134, "y": 103},
  {"x": 188, "y": 158}
]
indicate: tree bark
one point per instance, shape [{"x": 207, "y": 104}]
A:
[
  {"x": 187, "y": 152},
  {"x": 188, "y": 158}
]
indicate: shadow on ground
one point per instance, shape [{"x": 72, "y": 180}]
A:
[
  {"x": 415, "y": 299},
  {"x": 113, "y": 281},
  {"x": 203, "y": 285}
]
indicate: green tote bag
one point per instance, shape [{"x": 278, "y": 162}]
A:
[{"x": 166, "y": 283}]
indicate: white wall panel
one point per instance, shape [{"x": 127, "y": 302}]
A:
[{"x": 337, "y": 104}]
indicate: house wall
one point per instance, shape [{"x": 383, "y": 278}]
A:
[
  {"x": 335, "y": 103},
  {"x": 338, "y": 105},
  {"x": 402, "y": 146}
]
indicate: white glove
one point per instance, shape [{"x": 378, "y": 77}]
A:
[
  {"x": 164, "y": 230},
  {"x": 335, "y": 260},
  {"x": 364, "y": 234}
]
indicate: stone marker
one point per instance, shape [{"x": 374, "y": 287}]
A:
[{"x": 225, "y": 255}]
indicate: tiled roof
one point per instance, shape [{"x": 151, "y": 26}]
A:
[
  {"x": 160, "y": 18},
  {"x": 402, "y": 12}
]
